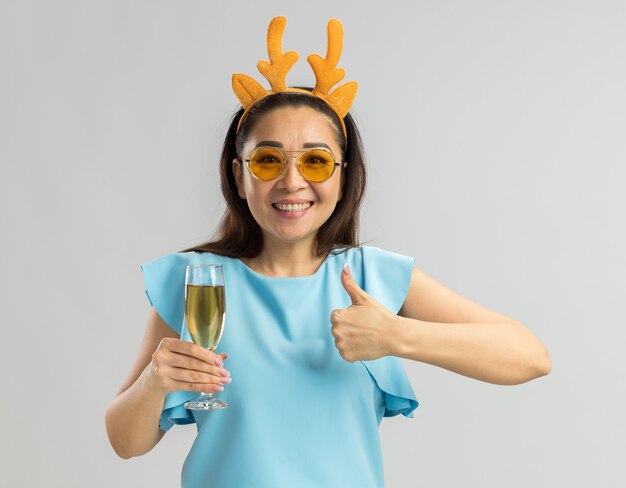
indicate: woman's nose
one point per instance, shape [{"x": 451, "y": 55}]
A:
[{"x": 291, "y": 179}]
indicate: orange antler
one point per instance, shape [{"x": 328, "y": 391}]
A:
[
  {"x": 326, "y": 72},
  {"x": 276, "y": 70},
  {"x": 328, "y": 75}
]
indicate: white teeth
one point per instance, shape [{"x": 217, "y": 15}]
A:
[{"x": 289, "y": 207}]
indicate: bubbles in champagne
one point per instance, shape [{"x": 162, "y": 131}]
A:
[{"x": 205, "y": 309}]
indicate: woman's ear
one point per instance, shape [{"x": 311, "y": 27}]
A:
[
  {"x": 238, "y": 172},
  {"x": 342, "y": 183}
]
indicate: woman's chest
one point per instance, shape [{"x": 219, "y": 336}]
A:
[{"x": 280, "y": 346}]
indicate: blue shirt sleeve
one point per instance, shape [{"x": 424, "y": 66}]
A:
[
  {"x": 164, "y": 280},
  {"x": 386, "y": 276}
]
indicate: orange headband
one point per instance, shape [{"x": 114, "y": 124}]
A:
[{"x": 249, "y": 91}]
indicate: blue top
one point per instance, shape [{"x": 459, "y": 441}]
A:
[{"x": 299, "y": 415}]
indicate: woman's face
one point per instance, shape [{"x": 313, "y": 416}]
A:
[{"x": 291, "y": 129}]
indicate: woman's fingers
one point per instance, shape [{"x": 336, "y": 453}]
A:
[
  {"x": 193, "y": 350},
  {"x": 180, "y": 365},
  {"x": 194, "y": 364},
  {"x": 193, "y": 376},
  {"x": 192, "y": 357},
  {"x": 192, "y": 370}
]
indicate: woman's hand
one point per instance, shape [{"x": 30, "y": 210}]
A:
[
  {"x": 361, "y": 331},
  {"x": 180, "y": 365}
]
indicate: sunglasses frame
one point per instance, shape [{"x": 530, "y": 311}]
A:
[{"x": 284, "y": 153}]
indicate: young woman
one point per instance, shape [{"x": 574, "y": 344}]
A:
[{"x": 316, "y": 323}]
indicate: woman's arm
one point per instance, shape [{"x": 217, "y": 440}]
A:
[
  {"x": 437, "y": 326},
  {"x": 132, "y": 417},
  {"x": 164, "y": 363},
  {"x": 440, "y": 327}
]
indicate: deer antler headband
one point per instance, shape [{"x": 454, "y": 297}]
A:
[{"x": 249, "y": 91}]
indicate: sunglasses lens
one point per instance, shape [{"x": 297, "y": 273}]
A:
[
  {"x": 317, "y": 165},
  {"x": 266, "y": 163}
]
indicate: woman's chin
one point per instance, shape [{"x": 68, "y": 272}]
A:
[{"x": 292, "y": 236}]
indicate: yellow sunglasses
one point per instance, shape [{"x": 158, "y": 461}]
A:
[{"x": 315, "y": 165}]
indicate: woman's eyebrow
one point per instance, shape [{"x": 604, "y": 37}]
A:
[
  {"x": 268, "y": 143},
  {"x": 306, "y": 145}
]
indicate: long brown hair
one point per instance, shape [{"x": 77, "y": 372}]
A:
[{"x": 238, "y": 235}]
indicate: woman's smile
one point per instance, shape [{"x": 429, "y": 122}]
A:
[{"x": 292, "y": 209}]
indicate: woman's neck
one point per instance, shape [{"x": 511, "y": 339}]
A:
[{"x": 286, "y": 260}]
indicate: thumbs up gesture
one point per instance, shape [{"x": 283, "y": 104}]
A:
[{"x": 362, "y": 331}]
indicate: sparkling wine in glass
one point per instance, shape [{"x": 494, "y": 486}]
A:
[{"x": 205, "y": 313}]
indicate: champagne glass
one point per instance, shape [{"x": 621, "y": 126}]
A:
[{"x": 205, "y": 313}]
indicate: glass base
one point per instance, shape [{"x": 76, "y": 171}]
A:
[{"x": 206, "y": 402}]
